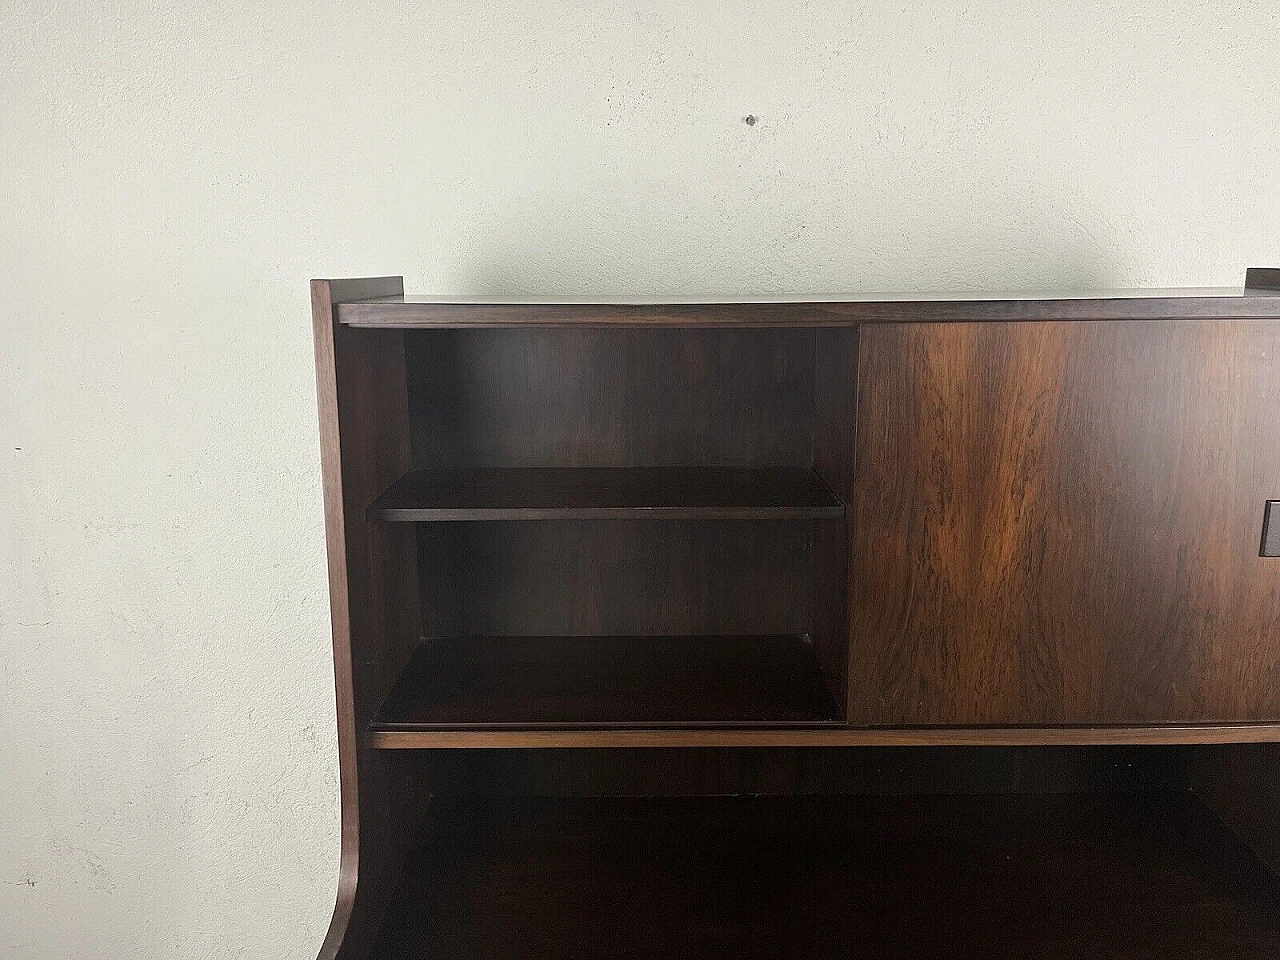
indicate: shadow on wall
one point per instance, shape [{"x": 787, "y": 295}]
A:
[{"x": 648, "y": 243}]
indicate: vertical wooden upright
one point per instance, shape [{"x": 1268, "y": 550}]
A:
[{"x": 373, "y": 588}]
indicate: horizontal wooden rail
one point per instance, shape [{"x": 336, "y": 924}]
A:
[{"x": 865, "y": 737}]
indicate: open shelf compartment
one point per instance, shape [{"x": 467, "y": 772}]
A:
[
  {"x": 911, "y": 877},
  {"x": 730, "y": 613},
  {"x": 531, "y": 683}
]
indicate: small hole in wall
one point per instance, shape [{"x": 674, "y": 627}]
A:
[{"x": 750, "y": 119}]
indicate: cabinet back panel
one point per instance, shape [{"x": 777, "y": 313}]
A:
[
  {"x": 611, "y": 398},
  {"x": 821, "y": 770},
  {"x": 565, "y": 578}
]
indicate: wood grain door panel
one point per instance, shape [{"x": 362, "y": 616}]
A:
[{"x": 1059, "y": 522}]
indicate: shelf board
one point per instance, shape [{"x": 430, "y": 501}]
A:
[
  {"x": 832, "y": 736},
  {"x": 1060, "y": 877},
  {"x": 541, "y": 683},
  {"x": 608, "y": 493}
]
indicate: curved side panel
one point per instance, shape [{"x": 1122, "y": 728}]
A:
[{"x": 374, "y": 603}]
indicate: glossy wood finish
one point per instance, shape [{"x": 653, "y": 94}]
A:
[
  {"x": 608, "y": 493},
  {"x": 622, "y": 577},
  {"x": 1169, "y": 734},
  {"x": 604, "y": 682},
  {"x": 806, "y": 771},
  {"x": 1050, "y": 877},
  {"x": 1241, "y": 784},
  {"x": 1216, "y": 304},
  {"x": 611, "y": 398},
  {"x": 711, "y": 430},
  {"x": 364, "y": 443},
  {"x": 835, "y": 377},
  {"x": 1058, "y": 524},
  {"x": 1262, "y": 281}
]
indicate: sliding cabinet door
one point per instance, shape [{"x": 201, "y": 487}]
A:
[{"x": 1059, "y": 523}]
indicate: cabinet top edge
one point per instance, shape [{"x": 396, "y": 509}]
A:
[
  {"x": 1193, "y": 303},
  {"x": 908, "y": 296}
]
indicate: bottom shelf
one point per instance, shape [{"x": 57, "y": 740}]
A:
[
  {"x": 514, "y": 683},
  {"x": 1049, "y": 877}
]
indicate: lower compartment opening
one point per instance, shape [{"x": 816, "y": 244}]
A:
[{"x": 898, "y": 853}]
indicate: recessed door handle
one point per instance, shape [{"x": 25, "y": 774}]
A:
[{"x": 1271, "y": 529}]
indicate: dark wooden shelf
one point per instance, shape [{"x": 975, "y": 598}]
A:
[
  {"x": 605, "y": 493},
  {"x": 827, "y": 736},
  {"x": 467, "y": 683},
  {"x": 1065, "y": 877}
]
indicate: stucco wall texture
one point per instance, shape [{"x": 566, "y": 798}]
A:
[{"x": 175, "y": 172}]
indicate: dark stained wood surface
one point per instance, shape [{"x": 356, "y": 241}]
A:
[
  {"x": 1058, "y": 524},
  {"x": 953, "y": 736},
  {"x": 1188, "y": 304},
  {"x": 835, "y": 397},
  {"x": 1262, "y": 281},
  {"x": 605, "y": 400},
  {"x": 1241, "y": 784},
  {"x": 824, "y": 771},
  {"x": 617, "y": 577},
  {"x": 1053, "y": 525},
  {"x": 373, "y": 590},
  {"x": 593, "y": 682},
  {"x": 611, "y": 398},
  {"x": 912, "y": 878},
  {"x": 608, "y": 493}
]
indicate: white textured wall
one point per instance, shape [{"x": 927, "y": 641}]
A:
[{"x": 172, "y": 174}]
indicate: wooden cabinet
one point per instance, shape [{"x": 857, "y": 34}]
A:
[
  {"x": 867, "y": 627},
  {"x": 1059, "y": 523}
]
